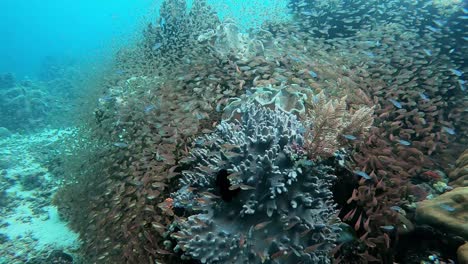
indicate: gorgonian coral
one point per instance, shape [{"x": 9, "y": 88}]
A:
[{"x": 252, "y": 195}]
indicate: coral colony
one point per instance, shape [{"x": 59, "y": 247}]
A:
[{"x": 335, "y": 136}]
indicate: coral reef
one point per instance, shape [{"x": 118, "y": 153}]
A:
[
  {"x": 23, "y": 106},
  {"x": 164, "y": 95},
  {"x": 459, "y": 175},
  {"x": 447, "y": 212},
  {"x": 462, "y": 253},
  {"x": 7, "y": 80},
  {"x": 253, "y": 196}
]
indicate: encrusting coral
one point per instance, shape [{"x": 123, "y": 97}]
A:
[
  {"x": 253, "y": 196},
  {"x": 459, "y": 176}
]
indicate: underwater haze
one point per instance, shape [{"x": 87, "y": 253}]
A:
[{"x": 229, "y": 131}]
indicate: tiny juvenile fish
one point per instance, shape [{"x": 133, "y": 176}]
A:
[
  {"x": 404, "y": 142},
  {"x": 449, "y": 130},
  {"x": 350, "y": 137},
  {"x": 363, "y": 174},
  {"x": 396, "y": 103}
]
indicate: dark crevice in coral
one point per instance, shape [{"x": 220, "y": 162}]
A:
[
  {"x": 223, "y": 184},
  {"x": 424, "y": 241}
]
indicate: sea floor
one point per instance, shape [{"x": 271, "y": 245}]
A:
[{"x": 30, "y": 227}]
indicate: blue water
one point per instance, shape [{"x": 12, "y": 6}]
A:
[
  {"x": 32, "y": 30},
  {"x": 91, "y": 31}
]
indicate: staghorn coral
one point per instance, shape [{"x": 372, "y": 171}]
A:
[{"x": 253, "y": 197}]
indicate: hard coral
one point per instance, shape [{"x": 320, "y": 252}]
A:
[
  {"x": 459, "y": 176},
  {"x": 253, "y": 196}
]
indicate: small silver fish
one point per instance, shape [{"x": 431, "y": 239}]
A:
[{"x": 428, "y": 52}]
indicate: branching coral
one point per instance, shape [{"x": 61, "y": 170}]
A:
[{"x": 253, "y": 196}]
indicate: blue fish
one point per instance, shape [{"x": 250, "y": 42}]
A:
[
  {"x": 433, "y": 29},
  {"x": 404, "y": 142},
  {"x": 423, "y": 96},
  {"x": 428, "y": 52},
  {"x": 350, "y": 137},
  {"x": 370, "y": 54},
  {"x": 464, "y": 17},
  {"x": 106, "y": 98},
  {"x": 449, "y": 130},
  {"x": 396, "y": 103},
  {"x": 439, "y": 23},
  {"x": 461, "y": 83},
  {"x": 447, "y": 207},
  {"x": 157, "y": 45},
  {"x": 120, "y": 144},
  {"x": 149, "y": 108},
  {"x": 396, "y": 208},
  {"x": 387, "y": 228},
  {"x": 456, "y": 72},
  {"x": 313, "y": 74},
  {"x": 363, "y": 174},
  {"x": 294, "y": 58},
  {"x": 451, "y": 51}
]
